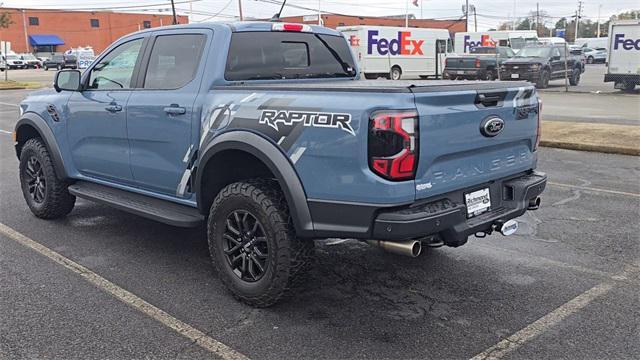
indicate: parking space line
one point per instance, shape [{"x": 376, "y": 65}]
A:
[
  {"x": 531, "y": 331},
  {"x": 9, "y": 104},
  {"x": 166, "y": 319},
  {"x": 593, "y": 189},
  {"x": 6, "y": 132}
]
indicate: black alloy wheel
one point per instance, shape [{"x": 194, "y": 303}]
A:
[
  {"x": 245, "y": 246},
  {"x": 35, "y": 179}
]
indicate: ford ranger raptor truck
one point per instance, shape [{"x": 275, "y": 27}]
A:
[{"x": 263, "y": 132}]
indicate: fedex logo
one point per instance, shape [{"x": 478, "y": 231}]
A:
[
  {"x": 485, "y": 40},
  {"x": 402, "y": 45},
  {"x": 627, "y": 44}
]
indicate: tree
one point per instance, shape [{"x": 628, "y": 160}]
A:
[{"x": 5, "y": 20}]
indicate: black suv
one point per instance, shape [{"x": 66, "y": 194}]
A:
[
  {"x": 541, "y": 63},
  {"x": 60, "y": 62}
]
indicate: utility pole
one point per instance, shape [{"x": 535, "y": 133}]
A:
[
  {"x": 475, "y": 18},
  {"x": 406, "y": 14},
  {"x": 24, "y": 27},
  {"x": 538, "y": 19},
  {"x": 319, "y": 13},
  {"x": 578, "y": 16},
  {"x": 240, "y": 10},
  {"x": 513, "y": 25},
  {"x": 599, "y": 8},
  {"x": 466, "y": 16},
  {"x": 173, "y": 10}
]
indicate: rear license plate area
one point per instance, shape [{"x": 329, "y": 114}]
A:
[{"x": 477, "y": 202}]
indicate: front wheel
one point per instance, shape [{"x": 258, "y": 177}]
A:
[
  {"x": 574, "y": 80},
  {"x": 253, "y": 244},
  {"x": 543, "y": 81},
  {"x": 490, "y": 75},
  {"x": 45, "y": 194}
]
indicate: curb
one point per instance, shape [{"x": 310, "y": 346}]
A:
[
  {"x": 591, "y": 147},
  {"x": 14, "y": 88}
]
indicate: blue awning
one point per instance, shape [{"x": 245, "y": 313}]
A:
[{"x": 45, "y": 40}]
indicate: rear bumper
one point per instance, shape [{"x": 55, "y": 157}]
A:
[
  {"x": 444, "y": 216},
  {"x": 632, "y": 78},
  {"x": 532, "y": 76},
  {"x": 466, "y": 73}
]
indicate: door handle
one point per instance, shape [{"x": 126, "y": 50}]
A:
[
  {"x": 113, "y": 108},
  {"x": 175, "y": 109}
]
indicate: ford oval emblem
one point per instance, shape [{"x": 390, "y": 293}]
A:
[{"x": 491, "y": 126}]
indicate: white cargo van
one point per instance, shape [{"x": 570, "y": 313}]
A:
[
  {"x": 465, "y": 41},
  {"x": 592, "y": 43},
  {"x": 397, "y": 52},
  {"x": 623, "y": 66}
]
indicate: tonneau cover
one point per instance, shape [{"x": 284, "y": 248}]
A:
[{"x": 398, "y": 86}]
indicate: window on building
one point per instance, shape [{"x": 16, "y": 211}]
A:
[
  {"x": 341, "y": 24},
  {"x": 174, "y": 61},
  {"x": 146, "y": 24},
  {"x": 34, "y": 21},
  {"x": 95, "y": 23}
]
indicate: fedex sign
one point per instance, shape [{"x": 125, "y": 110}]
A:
[
  {"x": 627, "y": 44},
  {"x": 485, "y": 40},
  {"x": 401, "y": 45}
]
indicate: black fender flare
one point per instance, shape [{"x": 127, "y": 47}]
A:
[
  {"x": 40, "y": 125},
  {"x": 279, "y": 164}
]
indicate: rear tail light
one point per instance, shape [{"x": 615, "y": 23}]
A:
[
  {"x": 539, "y": 131},
  {"x": 477, "y": 63},
  {"x": 393, "y": 144}
]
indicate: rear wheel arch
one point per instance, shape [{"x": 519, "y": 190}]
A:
[
  {"x": 250, "y": 156},
  {"x": 32, "y": 126}
]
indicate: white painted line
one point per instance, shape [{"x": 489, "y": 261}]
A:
[
  {"x": 297, "y": 154},
  {"x": 9, "y": 104},
  {"x": 182, "y": 328},
  {"x": 531, "y": 331},
  {"x": 6, "y": 132},
  {"x": 593, "y": 189}
]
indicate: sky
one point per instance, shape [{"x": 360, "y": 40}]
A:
[{"x": 490, "y": 13}]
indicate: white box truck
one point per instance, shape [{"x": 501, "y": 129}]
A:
[
  {"x": 623, "y": 65},
  {"x": 465, "y": 41},
  {"x": 397, "y": 52}
]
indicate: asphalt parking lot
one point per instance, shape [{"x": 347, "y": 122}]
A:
[{"x": 566, "y": 286}]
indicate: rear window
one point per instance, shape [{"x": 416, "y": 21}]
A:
[{"x": 285, "y": 55}]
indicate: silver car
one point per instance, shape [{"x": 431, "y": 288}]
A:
[{"x": 595, "y": 55}]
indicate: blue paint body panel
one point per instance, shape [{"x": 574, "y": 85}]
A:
[{"x": 145, "y": 150}]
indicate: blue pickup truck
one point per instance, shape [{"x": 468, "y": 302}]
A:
[{"x": 263, "y": 131}]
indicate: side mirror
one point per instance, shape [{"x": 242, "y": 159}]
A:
[
  {"x": 555, "y": 57},
  {"x": 67, "y": 80}
]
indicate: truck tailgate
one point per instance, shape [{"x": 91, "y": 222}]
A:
[{"x": 461, "y": 143}]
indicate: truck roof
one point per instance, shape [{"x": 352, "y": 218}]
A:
[{"x": 241, "y": 26}]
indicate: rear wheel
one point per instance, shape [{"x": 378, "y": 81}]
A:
[
  {"x": 490, "y": 75},
  {"x": 396, "y": 73},
  {"x": 46, "y": 68},
  {"x": 45, "y": 194},
  {"x": 590, "y": 60},
  {"x": 543, "y": 81},
  {"x": 253, "y": 244},
  {"x": 629, "y": 86}
]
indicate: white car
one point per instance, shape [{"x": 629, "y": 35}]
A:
[
  {"x": 595, "y": 55},
  {"x": 14, "y": 62},
  {"x": 3, "y": 64}
]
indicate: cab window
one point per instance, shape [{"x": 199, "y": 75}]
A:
[
  {"x": 115, "y": 71},
  {"x": 174, "y": 61}
]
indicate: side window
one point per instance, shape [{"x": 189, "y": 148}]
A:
[
  {"x": 556, "y": 52},
  {"x": 115, "y": 70},
  {"x": 174, "y": 61}
]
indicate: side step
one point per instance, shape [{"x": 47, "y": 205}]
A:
[{"x": 160, "y": 210}]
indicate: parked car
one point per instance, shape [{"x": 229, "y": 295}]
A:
[
  {"x": 274, "y": 143},
  {"x": 3, "y": 64},
  {"x": 14, "y": 62},
  {"x": 593, "y": 56},
  {"x": 31, "y": 61},
  {"x": 60, "y": 62},
  {"x": 542, "y": 63},
  {"x": 481, "y": 63}
]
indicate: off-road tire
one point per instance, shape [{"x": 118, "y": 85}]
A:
[
  {"x": 57, "y": 201},
  {"x": 574, "y": 80},
  {"x": 289, "y": 258},
  {"x": 543, "y": 82}
]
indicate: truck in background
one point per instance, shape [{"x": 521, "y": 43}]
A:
[
  {"x": 623, "y": 65},
  {"x": 592, "y": 43},
  {"x": 396, "y": 52},
  {"x": 84, "y": 55},
  {"x": 465, "y": 41}
]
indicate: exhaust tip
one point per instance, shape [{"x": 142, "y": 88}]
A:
[
  {"x": 416, "y": 249},
  {"x": 534, "y": 204}
]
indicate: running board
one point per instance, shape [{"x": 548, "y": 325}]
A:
[{"x": 155, "y": 209}]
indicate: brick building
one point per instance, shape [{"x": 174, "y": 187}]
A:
[
  {"x": 333, "y": 21},
  {"x": 37, "y": 30}
]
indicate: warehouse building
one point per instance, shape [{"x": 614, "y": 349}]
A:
[{"x": 47, "y": 31}]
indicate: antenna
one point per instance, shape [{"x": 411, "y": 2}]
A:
[{"x": 276, "y": 17}]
